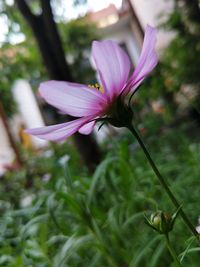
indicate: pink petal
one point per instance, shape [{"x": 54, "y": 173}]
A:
[
  {"x": 147, "y": 61},
  {"x": 59, "y": 132},
  {"x": 113, "y": 66},
  {"x": 87, "y": 128},
  {"x": 73, "y": 99}
]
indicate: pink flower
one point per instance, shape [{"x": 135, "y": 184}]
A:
[{"x": 106, "y": 102}]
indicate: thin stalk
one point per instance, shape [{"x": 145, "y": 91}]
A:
[
  {"x": 172, "y": 252},
  {"x": 163, "y": 183}
]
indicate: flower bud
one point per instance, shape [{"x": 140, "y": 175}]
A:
[{"x": 162, "y": 222}]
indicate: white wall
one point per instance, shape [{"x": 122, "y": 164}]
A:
[
  {"x": 149, "y": 11},
  {"x": 28, "y": 108},
  {"x": 6, "y": 153}
]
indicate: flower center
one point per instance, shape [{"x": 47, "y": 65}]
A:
[{"x": 96, "y": 86}]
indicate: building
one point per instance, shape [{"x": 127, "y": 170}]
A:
[{"x": 120, "y": 25}]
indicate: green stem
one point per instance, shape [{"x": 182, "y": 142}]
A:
[
  {"x": 172, "y": 252},
  {"x": 163, "y": 183}
]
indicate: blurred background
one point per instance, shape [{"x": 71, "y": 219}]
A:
[{"x": 91, "y": 182}]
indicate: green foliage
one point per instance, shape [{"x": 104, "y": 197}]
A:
[
  {"x": 74, "y": 219},
  {"x": 179, "y": 62},
  {"x": 18, "y": 61},
  {"x": 182, "y": 56}
]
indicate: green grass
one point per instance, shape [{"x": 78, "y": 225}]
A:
[{"x": 76, "y": 219}]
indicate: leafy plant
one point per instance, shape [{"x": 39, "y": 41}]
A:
[{"x": 77, "y": 219}]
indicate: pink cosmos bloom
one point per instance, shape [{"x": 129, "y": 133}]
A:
[{"x": 90, "y": 104}]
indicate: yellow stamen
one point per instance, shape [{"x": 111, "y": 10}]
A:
[{"x": 96, "y": 86}]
